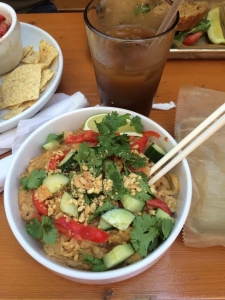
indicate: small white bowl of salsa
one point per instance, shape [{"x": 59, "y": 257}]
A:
[{"x": 11, "y": 49}]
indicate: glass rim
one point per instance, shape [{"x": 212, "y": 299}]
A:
[{"x": 104, "y": 35}]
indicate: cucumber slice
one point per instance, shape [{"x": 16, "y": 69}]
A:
[
  {"x": 67, "y": 206},
  {"x": 163, "y": 215},
  {"x": 118, "y": 255},
  {"x": 132, "y": 204},
  {"x": 154, "y": 152},
  {"x": 50, "y": 145},
  {"x": 104, "y": 225},
  {"x": 66, "y": 158},
  {"x": 68, "y": 163},
  {"x": 55, "y": 182},
  {"x": 119, "y": 218}
]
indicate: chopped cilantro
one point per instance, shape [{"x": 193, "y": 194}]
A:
[
  {"x": 111, "y": 122},
  {"x": 145, "y": 236},
  {"x": 135, "y": 161},
  {"x": 44, "y": 230},
  {"x": 34, "y": 180},
  {"x": 136, "y": 122},
  {"x": 97, "y": 263},
  {"x": 88, "y": 156},
  {"x": 112, "y": 173}
]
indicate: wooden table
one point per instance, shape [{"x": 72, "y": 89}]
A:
[{"x": 183, "y": 273}]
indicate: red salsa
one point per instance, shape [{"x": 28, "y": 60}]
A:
[{"x": 4, "y": 26}]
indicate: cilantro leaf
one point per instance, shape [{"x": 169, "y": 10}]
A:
[
  {"x": 44, "y": 230},
  {"x": 136, "y": 122},
  {"x": 111, "y": 172},
  {"x": 148, "y": 231},
  {"x": 34, "y": 228},
  {"x": 167, "y": 226},
  {"x": 97, "y": 263},
  {"x": 111, "y": 122},
  {"x": 50, "y": 233},
  {"x": 135, "y": 161},
  {"x": 34, "y": 180},
  {"x": 145, "y": 232},
  {"x": 55, "y": 137},
  {"x": 89, "y": 157}
]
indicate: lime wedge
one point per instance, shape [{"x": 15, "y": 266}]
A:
[
  {"x": 215, "y": 32},
  {"x": 126, "y": 129},
  {"x": 90, "y": 122}
]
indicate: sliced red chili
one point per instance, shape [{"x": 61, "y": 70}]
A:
[
  {"x": 40, "y": 206},
  {"x": 88, "y": 136},
  {"x": 150, "y": 133},
  {"x": 81, "y": 231},
  {"x": 158, "y": 203}
]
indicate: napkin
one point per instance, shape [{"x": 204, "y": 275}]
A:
[
  {"x": 164, "y": 106},
  {"x": 11, "y": 140}
]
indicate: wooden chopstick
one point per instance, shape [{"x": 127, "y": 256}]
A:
[{"x": 218, "y": 123}]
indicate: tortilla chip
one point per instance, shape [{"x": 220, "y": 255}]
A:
[
  {"x": 32, "y": 57},
  {"x": 14, "y": 112},
  {"x": 22, "y": 84},
  {"x": 1, "y": 96},
  {"x": 46, "y": 75},
  {"x": 47, "y": 54},
  {"x": 26, "y": 51}
]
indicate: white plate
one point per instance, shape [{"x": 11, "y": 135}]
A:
[{"x": 32, "y": 35}]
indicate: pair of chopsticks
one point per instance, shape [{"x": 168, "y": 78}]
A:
[{"x": 215, "y": 117}]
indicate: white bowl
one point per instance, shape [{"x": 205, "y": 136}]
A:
[
  {"x": 32, "y": 147},
  {"x": 11, "y": 48},
  {"x": 32, "y": 35}
]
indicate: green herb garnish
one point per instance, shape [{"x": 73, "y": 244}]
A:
[
  {"x": 34, "y": 180},
  {"x": 54, "y": 137},
  {"x": 43, "y": 230},
  {"x": 97, "y": 263},
  {"x": 148, "y": 232}
]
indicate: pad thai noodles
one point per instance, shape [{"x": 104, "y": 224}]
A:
[{"x": 87, "y": 200}]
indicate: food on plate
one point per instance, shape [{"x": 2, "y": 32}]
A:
[
  {"x": 86, "y": 197},
  {"x": 22, "y": 87},
  {"x": 216, "y": 30},
  {"x": 191, "y": 13},
  {"x": 192, "y": 24},
  {"x": 4, "y": 25}
]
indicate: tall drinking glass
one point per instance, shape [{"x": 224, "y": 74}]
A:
[{"x": 127, "y": 53}]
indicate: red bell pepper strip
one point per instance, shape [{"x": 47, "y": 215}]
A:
[
  {"x": 80, "y": 231},
  {"x": 150, "y": 133},
  {"x": 40, "y": 206},
  {"x": 88, "y": 136},
  {"x": 140, "y": 143},
  {"x": 158, "y": 203},
  {"x": 55, "y": 159}
]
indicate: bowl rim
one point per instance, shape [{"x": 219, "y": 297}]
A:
[{"x": 74, "y": 274}]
